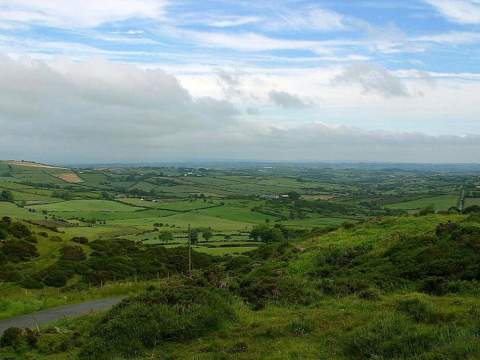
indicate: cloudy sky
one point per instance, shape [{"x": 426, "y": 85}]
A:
[{"x": 155, "y": 80}]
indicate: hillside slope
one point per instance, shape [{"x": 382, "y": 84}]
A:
[{"x": 389, "y": 288}]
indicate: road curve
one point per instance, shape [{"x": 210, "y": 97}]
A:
[{"x": 50, "y": 315}]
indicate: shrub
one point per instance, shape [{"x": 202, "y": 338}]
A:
[
  {"x": 72, "y": 253},
  {"x": 434, "y": 285},
  {"x": 13, "y": 337},
  {"x": 472, "y": 209},
  {"x": 18, "y": 338},
  {"x": 31, "y": 283},
  {"x": 56, "y": 238},
  {"x": 55, "y": 278},
  {"x": 172, "y": 314},
  {"x": 54, "y": 343},
  {"x": 19, "y": 250},
  {"x": 259, "y": 289},
  {"x": 19, "y": 230},
  {"x": 369, "y": 294},
  {"x": 31, "y": 239},
  {"x": 80, "y": 240}
]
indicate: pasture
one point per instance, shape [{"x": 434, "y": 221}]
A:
[
  {"x": 85, "y": 206},
  {"x": 441, "y": 202},
  {"x": 472, "y": 202},
  {"x": 139, "y": 203}
]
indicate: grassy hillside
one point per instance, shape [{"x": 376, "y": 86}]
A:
[{"x": 388, "y": 288}]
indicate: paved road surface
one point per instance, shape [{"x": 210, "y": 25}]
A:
[{"x": 51, "y": 315}]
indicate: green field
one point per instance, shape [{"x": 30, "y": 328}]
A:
[
  {"x": 442, "y": 202},
  {"x": 472, "y": 202},
  {"x": 86, "y": 205}
]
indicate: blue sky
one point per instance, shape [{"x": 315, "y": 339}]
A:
[
  {"x": 394, "y": 71},
  {"x": 423, "y": 34}
]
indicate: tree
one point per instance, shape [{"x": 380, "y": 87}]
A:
[
  {"x": 106, "y": 196},
  {"x": 165, "y": 237},
  {"x": 277, "y": 235},
  {"x": 259, "y": 233},
  {"x": 6, "y": 195},
  {"x": 65, "y": 195},
  {"x": 193, "y": 235},
  {"x": 293, "y": 195},
  {"x": 72, "y": 253},
  {"x": 207, "y": 234},
  {"x": 267, "y": 234}
]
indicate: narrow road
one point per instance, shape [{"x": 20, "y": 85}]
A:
[{"x": 50, "y": 315}]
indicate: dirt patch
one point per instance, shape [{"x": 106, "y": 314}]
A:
[{"x": 70, "y": 177}]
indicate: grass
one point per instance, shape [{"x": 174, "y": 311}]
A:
[
  {"x": 330, "y": 330},
  {"x": 237, "y": 213},
  {"x": 12, "y": 210},
  {"x": 96, "y": 232},
  {"x": 220, "y": 251},
  {"x": 442, "y": 202},
  {"x": 16, "y": 301},
  {"x": 472, "y": 201},
  {"x": 315, "y": 221},
  {"x": 86, "y": 205},
  {"x": 375, "y": 231}
]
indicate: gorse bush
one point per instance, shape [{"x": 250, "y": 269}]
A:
[
  {"x": 170, "y": 314},
  {"x": 119, "y": 259},
  {"x": 433, "y": 263}
]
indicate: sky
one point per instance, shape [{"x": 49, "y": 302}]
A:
[{"x": 293, "y": 80}]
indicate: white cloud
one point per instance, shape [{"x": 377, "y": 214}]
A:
[
  {"x": 460, "y": 11},
  {"x": 451, "y": 38},
  {"x": 251, "y": 42},
  {"x": 312, "y": 18},
  {"x": 373, "y": 78},
  {"x": 99, "y": 111},
  {"x": 74, "y": 13},
  {"x": 231, "y": 21},
  {"x": 287, "y": 100}
]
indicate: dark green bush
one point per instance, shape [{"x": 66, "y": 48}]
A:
[
  {"x": 31, "y": 283},
  {"x": 170, "y": 314},
  {"x": 369, "y": 294},
  {"x": 80, "y": 239},
  {"x": 19, "y": 230},
  {"x": 54, "y": 343},
  {"x": 434, "y": 285},
  {"x": 19, "y": 250},
  {"x": 12, "y": 337},
  {"x": 18, "y": 338},
  {"x": 258, "y": 290},
  {"x": 72, "y": 253},
  {"x": 55, "y": 278}
]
